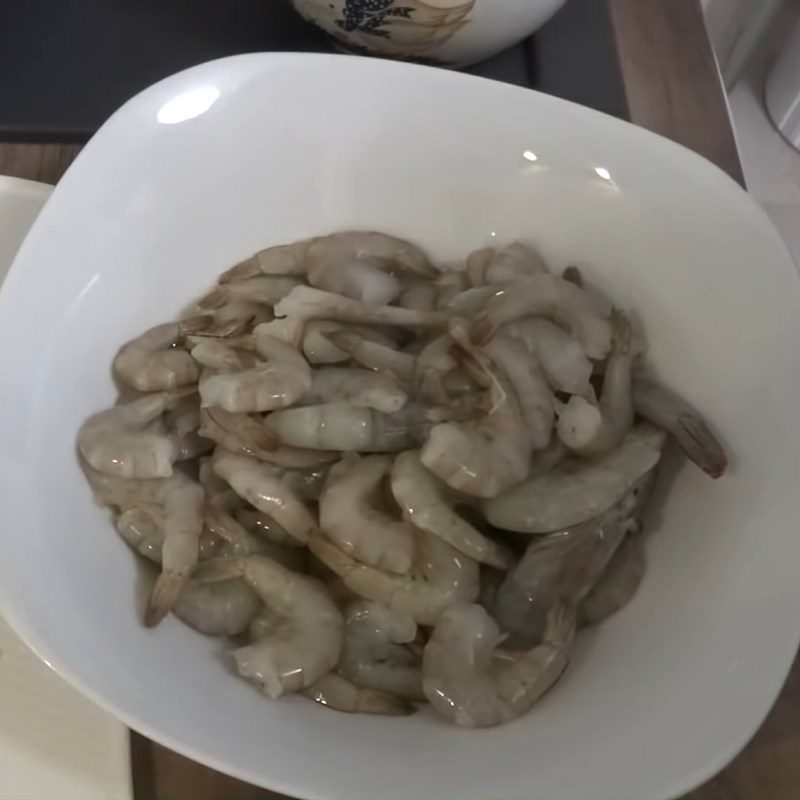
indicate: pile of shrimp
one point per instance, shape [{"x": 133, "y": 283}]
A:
[{"x": 386, "y": 483}]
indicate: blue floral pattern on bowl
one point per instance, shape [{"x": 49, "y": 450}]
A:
[{"x": 398, "y": 28}]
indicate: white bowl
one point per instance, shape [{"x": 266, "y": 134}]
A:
[
  {"x": 449, "y": 32},
  {"x": 276, "y": 147}
]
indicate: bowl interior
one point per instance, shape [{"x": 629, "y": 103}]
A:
[{"x": 210, "y": 165}]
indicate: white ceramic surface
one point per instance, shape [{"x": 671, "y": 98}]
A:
[
  {"x": 450, "y": 32},
  {"x": 53, "y": 741},
  {"x": 287, "y": 146}
]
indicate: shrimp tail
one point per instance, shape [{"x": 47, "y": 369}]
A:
[
  {"x": 249, "y": 268},
  {"x": 166, "y": 590},
  {"x": 670, "y": 412},
  {"x": 195, "y": 324},
  {"x": 574, "y": 276},
  {"x": 700, "y": 445},
  {"x": 560, "y": 624},
  {"x": 214, "y": 299}
]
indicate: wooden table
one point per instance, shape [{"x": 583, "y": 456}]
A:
[{"x": 673, "y": 88}]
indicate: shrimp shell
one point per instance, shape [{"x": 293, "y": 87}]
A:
[
  {"x": 441, "y": 576},
  {"x": 262, "y": 487},
  {"x": 313, "y": 255},
  {"x": 127, "y": 442},
  {"x": 217, "y": 609},
  {"x": 375, "y": 653},
  {"x": 304, "y": 641},
  {"x": 152, "y": 362},
  {"x": 617, "y": 585},
  {"x": 306, "y": 303},
  {"x": 280, "y": 381},
  {"x": 338, "y": 426},
  {"x": 584, "y": 314},
  {"x": 361, "y": 388},
  {"x": 349, "y": 517},
  {"x": 616, "y": 401},
  {"x": 576, "y": 492},
  {"x": 670, "y": 412},
  {"x": 423, "y": 500},
  {"x": 472, "y": 683},
  {"x": 510, "y": 263}
]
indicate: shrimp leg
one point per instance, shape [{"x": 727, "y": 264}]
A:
[{"x": 334, "y": 691}]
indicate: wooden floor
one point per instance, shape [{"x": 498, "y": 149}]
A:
[{"x": 672, "y": 88}]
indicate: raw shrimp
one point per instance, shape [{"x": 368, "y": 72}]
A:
[
  {"x": 473, "y": 300},
  {"x": 424, "y": 500},
  {"x": 668, "y": 411},
  {"x": 319, "y": 347},
  {"x": 239, "y": 433},
  {"x": 142, "y": 528},
  {"x": 486, "y": 457},
  {"x": 440, "y": 577},
  {"x": 152, "y": 362},
  {"x": 558, "y": 353},
  {"x": 139, "y": 527},
  {"x": 261, "y": 486},
  {"x": 357, "y": 264},
  {"x": 575, "y": 492},
  {"x": 305, "y": 634},
  {"x": 418, "y": 295},
  {"x": 584, "y": 314},
  {"x": 183, "y": 423},
  {"x": 433, "y": 365},
  {"x": 361, "y": 388},
  {"x": 128, "y": 440},
  {"x": 562, "y": 566},
  {"x": 617, "y": 585},
  {"x": 300, "y": 457},
  {"x": 338, "y": 426},
  {"x": 374, "y": 355},
  {"x": 594, "y": 431},
  {"x": 470, "y": 681},
  {"x": 263, "y": 525},
  {"x": 239, "y": 540},
  {"x": 233, "y": 317},
  {"x": 304, "y": 483},
  {"x": 340, "y": 263},
  {"x": 334, "y": 691},
  {"x": 510, "y": 263},
  {"x": 375, "y": 653},
  {"x": 349, "y": 516},
  {"x": 307, "y": 303},
  {"x": 122, "y": 493},
  {"x": 530, "y": 387},
  {"x": 263, "y": 290},
  {"x": 284, "y": 378},
  {"x": 183, "y": 526},
  {"x": 218, "y": 355},
  {"x": 225, "y": 608}
]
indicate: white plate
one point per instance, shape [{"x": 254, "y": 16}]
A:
[
  {"x": 53, "y": 741},
  {"x": 275, "y": 147}
]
